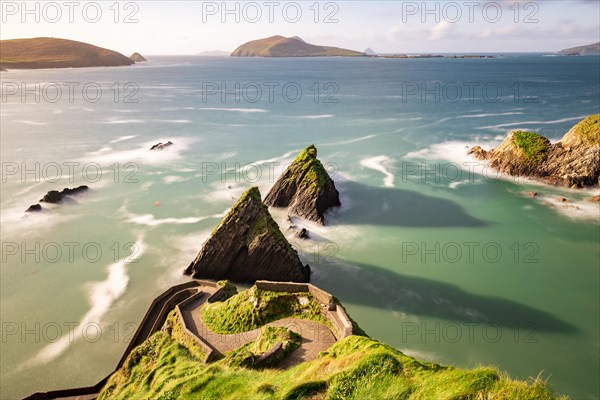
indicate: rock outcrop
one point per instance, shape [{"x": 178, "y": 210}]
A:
[
  {"x": 44, "y": 52},
  {"x": 305, "y": 188},
  {"x": 34, "y": 208},
  {"x": 573, "y": 161},
  {"x": 161, "y": 145},
  {"x": 137, "y": 57},
  {"x": 248, "y": 246},
  {"x": 54, "y": 196}
]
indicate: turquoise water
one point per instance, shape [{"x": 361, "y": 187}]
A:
[{"x": 463, "y": 270}]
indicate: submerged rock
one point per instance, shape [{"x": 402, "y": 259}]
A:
[
  {"x": 572, "y": 162},
  {"x": 595, "y": 199},
  {"x": 34, "y": 208},
  {"x": 305, "y": 188},
  {"x": 248, "y": 246},
  {"x": 303, "y": 234},
  {"x": 161, "y": 146},
  {"x": 54, "y": 196}
]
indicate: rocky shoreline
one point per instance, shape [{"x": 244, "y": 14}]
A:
[{"x": 573, "y": 161}]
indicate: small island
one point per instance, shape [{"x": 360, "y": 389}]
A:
[
  {"x": 573, "y": 161},
  {"x": 137, "y": 57},
  {"x": 46, "y": 52},
  {"x": 279, "y": 46}
]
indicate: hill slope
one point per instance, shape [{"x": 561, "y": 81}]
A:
[
  {"x": 46, "y": 52},
  {"x": 581, "y": 50},
  {"x": 279, "y": 46}
]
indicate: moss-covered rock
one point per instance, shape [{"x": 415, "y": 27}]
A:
[
  {"x": 573, "y": 161},
  {"x": 305, "y": 188}
]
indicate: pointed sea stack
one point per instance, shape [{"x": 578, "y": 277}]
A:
[
  {"x": 248, "y": 246},
  {"x": 305, "y": 187}
]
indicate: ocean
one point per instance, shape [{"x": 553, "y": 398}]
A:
[{"x": 431, "y": 252}]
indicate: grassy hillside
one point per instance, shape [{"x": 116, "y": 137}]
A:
[
  {"x": 356, "y": 367},
  {"x": 56, "y": 53},
  {"x": 279, "y": 46}
]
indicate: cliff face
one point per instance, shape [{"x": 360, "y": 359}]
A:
[
  {"x": 279, "y": 46},
  {"x": 248, "y": 246},
  {"x": 56, "y": 53},
  {"x": 305, "y": 187},
  {"x": 574, "y": 161}
]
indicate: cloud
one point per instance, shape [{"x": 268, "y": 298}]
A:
[{"x": 440, "y": 31}]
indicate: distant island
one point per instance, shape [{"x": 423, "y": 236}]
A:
[
  {"x": 582, "y": 50},
  {"x": 279, "y": 46},
  {"x": 45, "y": 52},
  {"x": 214, "y": 53},
  {"x": 137, "y": 57}
]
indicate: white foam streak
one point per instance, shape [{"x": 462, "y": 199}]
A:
[
  {"x": 350, "y": 141},
  {"x": 322, "y": 116},
  {"x": 377, "y": 164},
  {"x": 123, "y": 138},
  {"x": 556, "y": 121},
  {"x": 242, "y": 110},
  {"x": 101, "y": 296}
]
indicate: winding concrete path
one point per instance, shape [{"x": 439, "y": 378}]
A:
[{"x": 316, "y": 337}]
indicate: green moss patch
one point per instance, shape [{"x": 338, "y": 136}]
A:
[
  {"x": 588, "y": 130},
  {"x": 308, "y": 171},
  {"x": 534, "y": 147}
]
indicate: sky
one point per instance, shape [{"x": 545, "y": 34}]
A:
[{"x": 190, "y": 27}]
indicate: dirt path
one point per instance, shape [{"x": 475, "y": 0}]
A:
[{"x": 316, "y": 337}]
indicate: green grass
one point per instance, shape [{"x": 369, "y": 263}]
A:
[
  {"x": 589, "y": 129},
  {"x": 254, "y": 308},
  {"x": 269, "y": 337},
  {"x": 354, "y": 368},
  {"x": 533, "y": 146},
  {"x": 174, "y": 328}
]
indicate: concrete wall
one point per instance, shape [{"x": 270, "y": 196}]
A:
[
  {"x": 208, "y": 350},
  {"x": 290, "y": 287},
  {"x": 334, "y": 313}
]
